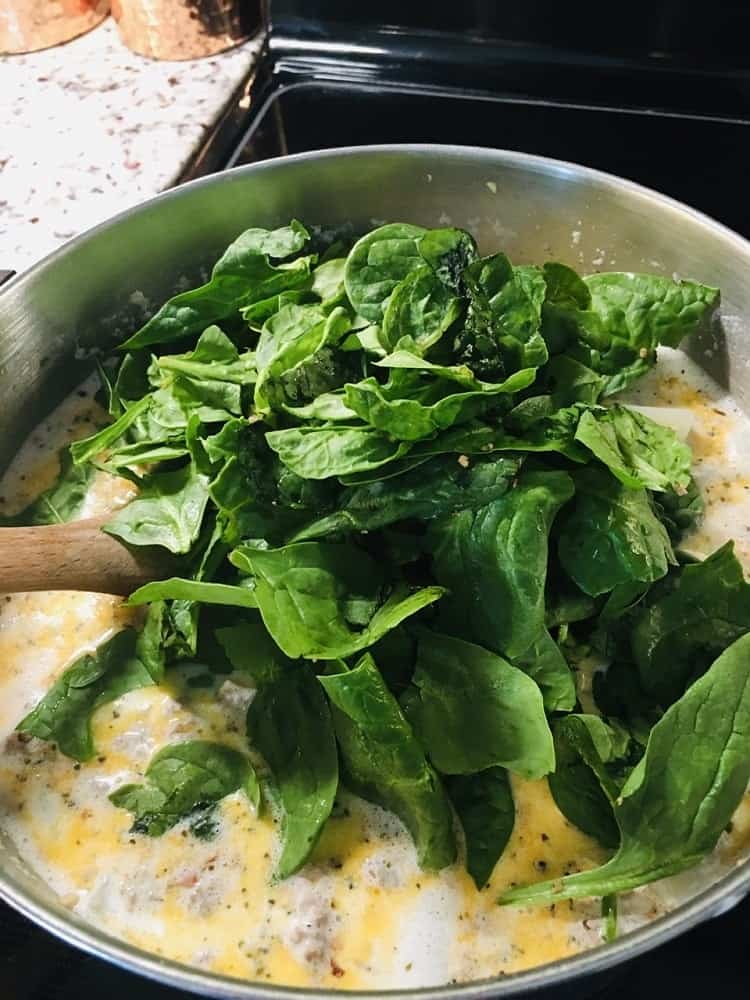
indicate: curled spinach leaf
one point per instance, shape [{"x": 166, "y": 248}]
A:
[
  {"x": 183, "y": 779},
  {"x": 123, "y": 663},
  {"x": 637, "y": 450}
]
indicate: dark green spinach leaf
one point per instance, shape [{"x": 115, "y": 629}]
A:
[
  {"x": 383, "y": 762},
  {"x": 494, "y": 563},
  {"x": 680, "y": 797},
  {"x": 581, "y": 785},
  {"x": 290, "y": 724},
  {"x": 325, "y": 601},
  {"x": 472, "y": 710},
  {"x": 612, "y": 535},
  {"x": 484, "y": 804},
  {"x": 440, "y": 486},
  {"x": 182, "y": 778},
  {"x": 677, "y": 636}
]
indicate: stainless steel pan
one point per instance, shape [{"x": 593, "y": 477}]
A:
[{"x": 80, "y": 298}]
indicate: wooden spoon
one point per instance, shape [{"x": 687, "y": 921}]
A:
[{"x": 75, "y": 556}]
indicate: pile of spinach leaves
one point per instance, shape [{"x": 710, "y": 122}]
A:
[{"x": 407, "y": 508}]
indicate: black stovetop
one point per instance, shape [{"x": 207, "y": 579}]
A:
[{"x": 664, "y": 100}]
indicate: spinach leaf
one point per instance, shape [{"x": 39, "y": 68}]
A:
[
  {"x": 289, "y": 340},
  {"x": 368, "y": 339},
  {"x": 546, "y": 664},
  {"x": 328, "y": 406},
  {"x": 383, "y": 762},
  {"x": 647, "y": 309},
  {"x": 419, "y": 311},
  {"x": 182, "y": 778},
  {"x": 628, "y": 317},
  {"x": 581, "y": 785},
  {"x": 568, "y": 381},
  {"x": 462, "y": 374},
  {"x": 325, "y": 371},
  {"x": 612, "y": 535},
  {"x": 62, "y": 501},
  {"x": 565, "y": 603},
  {"x": 325, "y": 601},
  {"x": 680, "y": 797},
  {"x": 475, "y": 437},
  {"x": 256, "y": 314},
  {"x": 494, "y": 563},
  {"x": 251, "y": 651},
  {"x": 289, "y": 722},
  {"x": 88, "y": 448},
  {"x": 448, "y": 253},
  {"x": 245, "y": 480},
  {"x": 484, "y": 804},
  {"x": 377, "y": 263},
  {"x": 176, "y": 588},
  {"x": 321, "y": 452},
  {"x": 121, "y": 460},
  {"x": 637, "y": 450},
  {"x": 328, "y": 283},
  {"x": 63, "y": 716},
  {"x": 472, "y": 710},
  {"x": 502, "y": 329},
  {"x": 163, "y": 422},
  {"x": 149, "y": 645},
  {"x": 168, "y": 511},
  {"x": 678, "y": 635},
  {"x": 565, "y": 294},
  {"x": 429, "y": 410},
  {"x": 209, "y": 380},
  {"x": 440, "y": 486},
  {"x": 244, "y": 273},
  {"x": 679, "y": 512},
  {"x": 535, "y": 425}
]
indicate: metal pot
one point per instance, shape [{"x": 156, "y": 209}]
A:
[{"x": 79, "y": 299}]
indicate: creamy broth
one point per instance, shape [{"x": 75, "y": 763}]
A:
[{"x": 360, "y": 914}]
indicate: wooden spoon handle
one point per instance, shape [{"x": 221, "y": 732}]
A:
[{"x": 74, "y": 556}]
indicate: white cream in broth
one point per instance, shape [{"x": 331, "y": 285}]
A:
[{"x": 360, "y": 914}]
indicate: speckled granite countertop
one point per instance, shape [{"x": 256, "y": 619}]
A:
[{"x": 90, "y": 128}]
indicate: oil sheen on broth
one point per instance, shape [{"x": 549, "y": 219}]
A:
[{"x": 360, "y": 914}]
